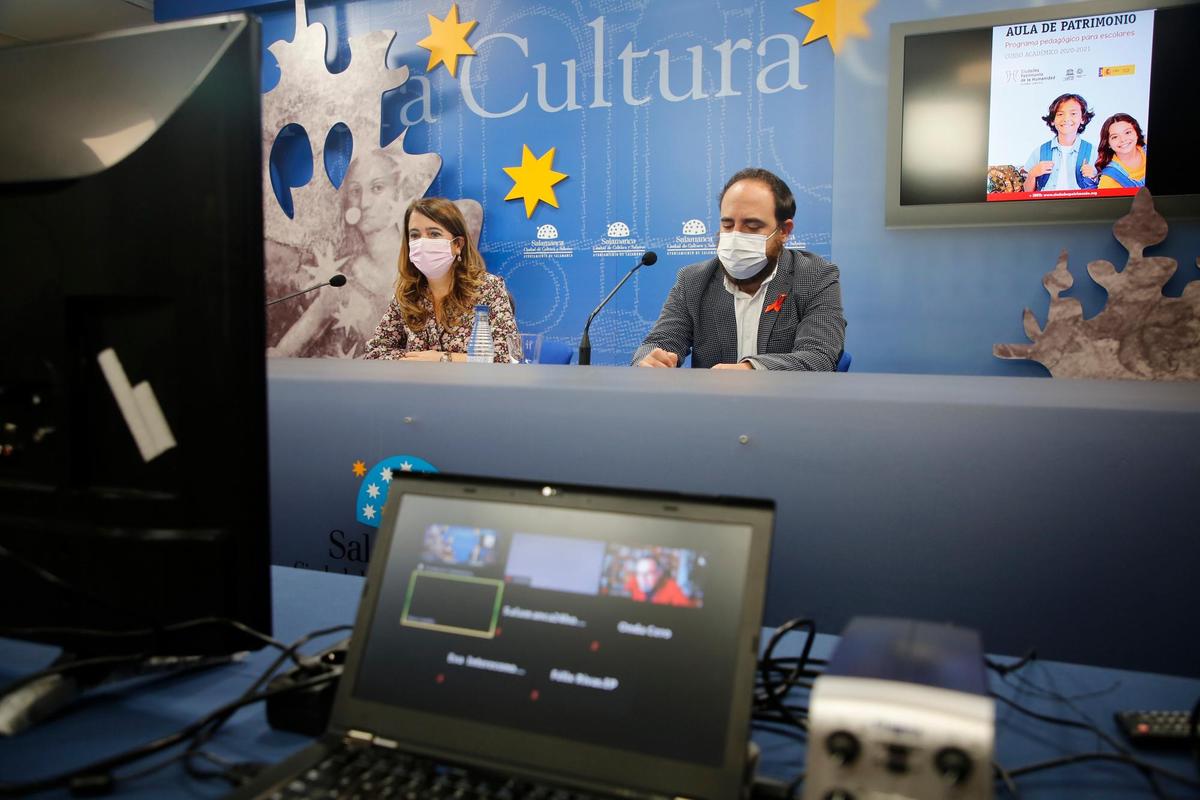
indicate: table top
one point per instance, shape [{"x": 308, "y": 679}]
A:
[{"x": 114, "y": 719}]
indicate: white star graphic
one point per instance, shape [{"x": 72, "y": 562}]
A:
[
  {"x": 369, "y": 511},
  {"x": 372, "y": 491},
  {"x": 405, "y": 466},
  {"x": 386, "y": 474}
]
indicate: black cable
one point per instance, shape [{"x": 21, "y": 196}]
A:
[
  {"x": 775, "y": 691},
  {"x": 1029, "y": 712},
  {"x": 155, "y": 629},
  {"x": 1089, "y": 725},
  {"x": 205, "y": 735},
  {"x": 1086, "y": 724},
  {"x": 1004, "y": 669},
  {"x": 61, "y": 583},
  {"x": 794, "y": 786},
  {"x": 1123, "y": 758},
  {"x": 64, "y": 667},
  {"x": 1004, "y": 777},
  {"x": 105, "y": 765},
  {"x": 100, "y": 633}
]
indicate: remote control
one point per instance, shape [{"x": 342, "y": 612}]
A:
[{"x": 1155, "y": 728}]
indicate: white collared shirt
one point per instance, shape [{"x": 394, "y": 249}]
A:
[
  {"x": 1064, "y": 164},
  {"x": 747, "y": 310}
]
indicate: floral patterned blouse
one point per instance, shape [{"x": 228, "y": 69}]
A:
[{"x": 393, "y": 338}]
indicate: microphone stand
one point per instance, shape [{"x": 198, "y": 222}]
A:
[
  {"x": 334, "y": 282},
  {"x": 585, "y": 342}
]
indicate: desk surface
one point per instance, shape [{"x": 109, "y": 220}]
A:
[
  {"x": 112, "y": 720},
  {"x": 1021, "y": 508}
]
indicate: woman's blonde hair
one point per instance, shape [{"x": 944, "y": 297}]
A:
[{"x": 466, "y": 277}]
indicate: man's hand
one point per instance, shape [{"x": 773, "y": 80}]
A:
[
  {"x": 1087, "y": 169},
  {"x": 659, "y": 358},
  {"x": 739, "y": 365}
]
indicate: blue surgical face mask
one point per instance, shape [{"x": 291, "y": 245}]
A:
[{"x": 743, "y": 254}]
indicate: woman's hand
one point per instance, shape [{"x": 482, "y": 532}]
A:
[{"x": 423, "y": 355}]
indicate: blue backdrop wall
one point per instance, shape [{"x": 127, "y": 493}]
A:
[{"x": 669, "y": 99}]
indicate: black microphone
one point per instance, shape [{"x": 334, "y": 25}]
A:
[
  {"x": 585, "y": 344},
  {"x": 336, "y": 281}
]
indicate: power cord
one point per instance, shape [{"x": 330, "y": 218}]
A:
[
  {"x": 206, "y": 734},
  {"x": 769, "y": 693},
  {"x": 99, "y": 777},
  {"x": 1151, "y": 772},
  {"x": 154, "y": 628},
  {"x": 777, "y": 678}
]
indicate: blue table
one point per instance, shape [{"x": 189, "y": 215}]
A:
[
  {"x": 1054, "y": 514},
  {"x": 114, "y": 720}
]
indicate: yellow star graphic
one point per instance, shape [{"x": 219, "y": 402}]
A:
[
  {"x": 359, "y": 469},
  {"x": 533, "y": 179},
  {"x": 447, "y": 40},
  {"x": 837, "y": 20}
]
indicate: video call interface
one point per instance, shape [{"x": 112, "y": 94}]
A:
[{"x": 605, "y": 628}]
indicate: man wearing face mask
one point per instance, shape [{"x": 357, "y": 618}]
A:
[{"x": 757, "y": 305}]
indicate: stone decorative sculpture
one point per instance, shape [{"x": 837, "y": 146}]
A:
[
  {"x": 1141, "y": 334},
  {"x": 352, "y": 228}
]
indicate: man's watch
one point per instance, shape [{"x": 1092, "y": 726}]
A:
[{"x": 445, "y": 359}]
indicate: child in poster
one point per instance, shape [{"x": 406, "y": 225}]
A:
[
  {"x": 1122, "y": 161},
  {"x": 1065, "y": 161}
]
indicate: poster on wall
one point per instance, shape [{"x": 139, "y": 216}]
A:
[
  {"x": 1070, "y": 100},
  {"x": 573, "y": 139}
]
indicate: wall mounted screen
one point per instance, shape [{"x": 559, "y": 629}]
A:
[{"x": 1041, "y": 115}]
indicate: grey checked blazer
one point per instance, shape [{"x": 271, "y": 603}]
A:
[{"x": 806, "y": 334}]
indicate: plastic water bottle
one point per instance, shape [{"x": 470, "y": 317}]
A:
[{"x": 481, "y": 350}]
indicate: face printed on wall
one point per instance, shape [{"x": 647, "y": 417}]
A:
[{"x": 372, "y": 193}]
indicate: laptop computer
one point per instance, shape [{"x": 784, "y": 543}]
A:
[{"x": 542, "y": 640}]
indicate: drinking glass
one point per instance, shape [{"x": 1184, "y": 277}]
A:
[{"x": 524, "y": 348}]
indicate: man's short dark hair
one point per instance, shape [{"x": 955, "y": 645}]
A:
[{"x": 785, "y": 203}]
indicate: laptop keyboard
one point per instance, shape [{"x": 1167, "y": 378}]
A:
[{"x": 354, "y": 772}]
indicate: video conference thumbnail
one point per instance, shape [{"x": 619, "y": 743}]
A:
[
  {"x": 452, "y": 604},
  {"x": 459, "y": 545},
  {"x": 441, "y": 596},
  {"x": 661, "y": 575}
]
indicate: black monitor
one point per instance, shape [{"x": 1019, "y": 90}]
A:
[
  {"x": 133, "y": 442},
  {"x": 970, "y": 116}
]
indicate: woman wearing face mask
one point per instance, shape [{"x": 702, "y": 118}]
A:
[{"x": 441, "y": 278}]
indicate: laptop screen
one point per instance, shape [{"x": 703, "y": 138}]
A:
[{"x": 567, "y": 615}]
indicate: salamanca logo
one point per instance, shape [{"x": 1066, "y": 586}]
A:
[
  {"x": 779, "y": 75},
  {"x": 373, "y": 490}
]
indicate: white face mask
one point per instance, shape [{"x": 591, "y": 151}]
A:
[
  {"x": 433, "y": 257},
  {"x": 743, "y": 254}
]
